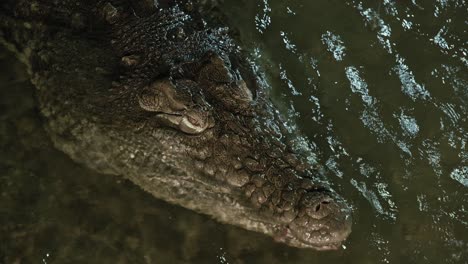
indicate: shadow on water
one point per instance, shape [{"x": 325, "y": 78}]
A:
[{"x": 379, "y": 88}]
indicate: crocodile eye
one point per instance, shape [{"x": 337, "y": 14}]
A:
[
  {"x": 161, "y": 97},
  {"x": 195, "y": 122},
  {"x": 176, "y": 105},
  {"x": 149, "y": 101}
]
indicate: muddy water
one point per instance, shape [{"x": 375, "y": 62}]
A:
[{"x": 379, "y": 88}]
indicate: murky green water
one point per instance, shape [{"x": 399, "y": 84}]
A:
[{"x": 380, "y": 88}]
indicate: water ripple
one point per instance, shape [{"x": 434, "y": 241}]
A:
[
  {"x": 408, "y": 124},
  {"x": 334, "y": 45},
  {"x": 263, "y": 19},
  {"x": 358, "y": 85},
  {"x": 288, "y": 43},
  {"x": 460, "y": 174},
  {"x": 409, "y": 85},
  {"x": 373, "y": 19}
]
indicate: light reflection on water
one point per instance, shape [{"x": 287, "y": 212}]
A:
[{"x": 380, "y": 89}]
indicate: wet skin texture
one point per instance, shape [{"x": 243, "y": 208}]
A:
[{"x": 159, "y": 97}]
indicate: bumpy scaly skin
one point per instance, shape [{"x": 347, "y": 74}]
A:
[{"x": 171, "y": 104}]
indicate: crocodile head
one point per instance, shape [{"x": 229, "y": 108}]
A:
[
  {"x": 176, "y": 108},
  {"x": 193, "y": 80},
  {"x": 209, "y": 102}
]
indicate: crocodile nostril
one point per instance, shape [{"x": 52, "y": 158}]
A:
[
  {"x": 317, "y": 207},
  {"x": 321, "y": 205}
]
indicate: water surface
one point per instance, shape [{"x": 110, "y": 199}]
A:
[{"x": 379, "y": 89}]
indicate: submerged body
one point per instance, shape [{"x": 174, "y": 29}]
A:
[{"x": 160, "y": 98}]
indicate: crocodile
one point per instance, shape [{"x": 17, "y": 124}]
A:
[{"x": 156, "y": 92}]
